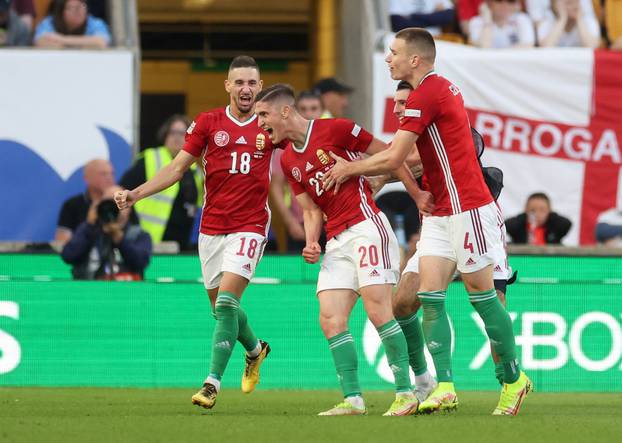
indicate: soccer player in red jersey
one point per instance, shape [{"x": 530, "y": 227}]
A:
[
  {"x": 236, "y": 157},
  {"x": 361, "y": 253},
  {"x": 463, "y": 230}
]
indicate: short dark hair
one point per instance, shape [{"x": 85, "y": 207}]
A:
[
  {"x": 277, "y": 91},
  {"x": 422, "y": 40},
  {"x": 166, "y": 126},
  {"x": 540, "y": 195},
  {"x": 403, "y": 84},
  {"x": 243, "y": 61},
  {"x": 308, "y": 94}
]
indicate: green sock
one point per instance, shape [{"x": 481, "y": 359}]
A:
[
  {"x": 344, "y": 354},
  {"x": 397, "y": 354},
  {"x": 225, "y": 332},
  {"x": 499, "y": 372},
  {"x": 411, "y": 326},
  {"x": 246, "y": 336},
  {"x": 499, "y": 330},
  {"x": 437, "y": 332}
]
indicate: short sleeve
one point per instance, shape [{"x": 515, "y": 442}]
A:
[
  {"x": 66, "y": 218},
  {"x": 421, "y": 110},
  {"x": 526, "y": 34},
  {"x": 196, "y": 136},
  {"x": 296, "y": 186},
  {"x": 96, "y": 26},
  {"x": 45, "y": 27},
  {"x": 351, "y": 136}
]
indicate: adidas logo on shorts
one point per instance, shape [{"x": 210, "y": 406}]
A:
[
  {"x": 497, "y": 268},
  {"x": 470, "y": 261},
  {"x": 247, "y": 267},
  {"x": 374, "y": 273}
]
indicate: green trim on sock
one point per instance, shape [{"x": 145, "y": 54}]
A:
[
  {"x": 343, "y": 351},
  {"x": 396, "y": 348}
]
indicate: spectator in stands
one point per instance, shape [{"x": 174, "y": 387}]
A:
[
  {"x": 501, "y": 24},
  {"x": 430, "y": 14},
  {"x": 169, "y": 215},
  {"x": 98, "y": 175},
  {"x": 25, "y": 9},
  {"x": 13, "y": 31},
  {"x": 108, "y": 246},
  {"x": 467, "y": 9},
  {"x": 309, "y": 105},
  {"x": 572, "y": 23},
  {"x": 71, "y": 26},
  {"x": 609, "y": 227},
  {"x": 538, "y": 225},
  {"x": 334, "y": 96}
]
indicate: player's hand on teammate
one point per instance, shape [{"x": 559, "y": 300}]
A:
[
  {"x": 311, "y": 252},
  {"x": 337, "y": 174},
  {"x": 124, "y": 199},
  {"x": 425, "y": 202}
]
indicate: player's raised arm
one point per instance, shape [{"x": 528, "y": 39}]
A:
[
  {"x": 313, "y": 219},
  {"x": 165, "y": 177}
]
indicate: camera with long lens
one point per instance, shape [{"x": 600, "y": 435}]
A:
[{"x": 107, "y": 211}]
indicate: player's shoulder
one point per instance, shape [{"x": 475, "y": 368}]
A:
[
  {"x": 334, "y": 124},
  {"x": 208, "y": 117}
]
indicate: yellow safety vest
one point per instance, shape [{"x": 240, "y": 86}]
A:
[{"x": 155, "y": 211}]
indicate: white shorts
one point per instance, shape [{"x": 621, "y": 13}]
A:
[
  {"x": 362, "y": 255},
  {"x": 473, "y": 239},
  {"x": 237, "y": 253}
]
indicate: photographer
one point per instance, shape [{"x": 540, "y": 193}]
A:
[{"x": 108, "y": 245}]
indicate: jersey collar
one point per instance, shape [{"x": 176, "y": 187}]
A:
[
  {"x": 426, "y": 76},
  {"x": 307, "y": 137},
  {"x": 236, "y": 121}
]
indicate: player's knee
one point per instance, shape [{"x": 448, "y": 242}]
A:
[
  {"x": 226, "y": 305},
  {"x": 333, "y": 324},
  {"x": 402, "y": 307},
  {"x": 380, "y": 317}
]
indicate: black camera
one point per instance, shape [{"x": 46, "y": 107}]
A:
[{"x": 107, "y": 211}]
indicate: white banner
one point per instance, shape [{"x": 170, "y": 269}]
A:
[
  {"x": 548, "y": 119},
  {"x": 58, "y": 110}
]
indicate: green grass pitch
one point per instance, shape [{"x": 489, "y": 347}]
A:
[{"x": 166, "y": 415}]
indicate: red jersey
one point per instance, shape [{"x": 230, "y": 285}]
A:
[
  {"x": 304, "y": 168},
  {"x": 236, "y": 159},
  {"x": 451, "y": 172}
]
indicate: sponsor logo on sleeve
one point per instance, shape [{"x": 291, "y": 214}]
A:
[
  {"x": 356, "y": 130},
  {"x": 412, "y": 113}
]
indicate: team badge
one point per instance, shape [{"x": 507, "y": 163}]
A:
[
  {"x": 221, "y": 138},
  {"x": 260, "y": 141},
  {"x": 323, "y": 156},
  {"x": 296, "y": 174}
]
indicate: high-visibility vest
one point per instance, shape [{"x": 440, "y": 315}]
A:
[{"x": 154, "y": 211}]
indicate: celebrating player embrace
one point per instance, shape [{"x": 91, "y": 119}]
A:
[
  {"x": 361, "y": 253},
  {"x": 465, "y": 228}
]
